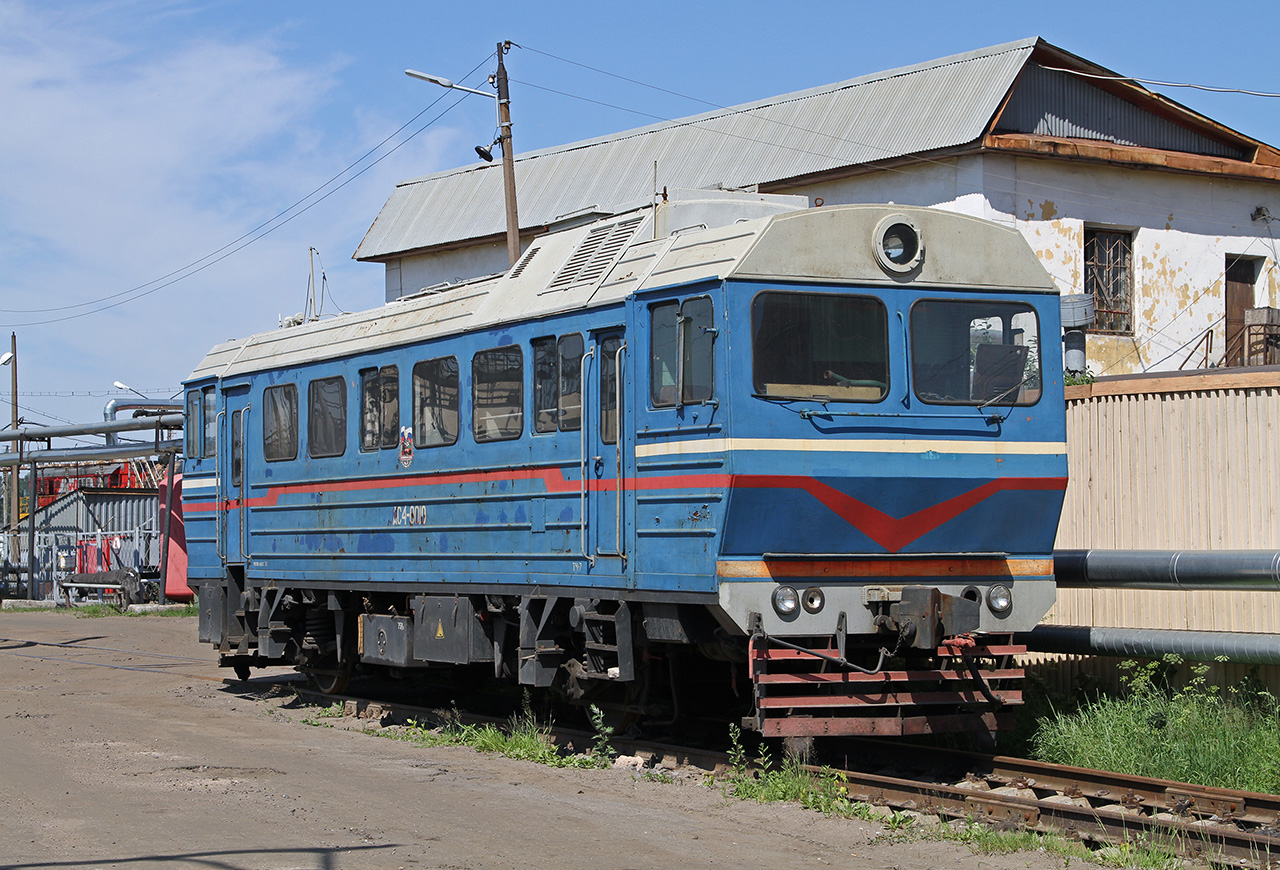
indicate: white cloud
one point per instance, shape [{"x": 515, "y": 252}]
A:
[{"x": 126, "y": 156}]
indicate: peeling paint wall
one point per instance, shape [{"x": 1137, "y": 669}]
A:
[{"x": 1184, "y": 228}]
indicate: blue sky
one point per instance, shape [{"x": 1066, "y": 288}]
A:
[{"x": 139, "y": 137}]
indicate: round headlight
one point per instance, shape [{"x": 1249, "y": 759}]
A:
[
  {"x": 813, "y": 599},
  {"x": 785, "y": 600},
  {"x": 897, "y": 243},
  {"x": 999, "y": 598}
]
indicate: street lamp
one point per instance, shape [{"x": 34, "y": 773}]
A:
[
  {"x": 503, "y": 99},
  {"x": 120, "y": 386}
]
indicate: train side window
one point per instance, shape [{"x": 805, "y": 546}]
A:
[
  {"x": 546, "y": 385},
  {"x": 830, "y": 347},
  {"x": 569, "y": 408},
  {"x": 663, "y": 365},
  {"x": 497, "y": 401},
  {"x": 435, "y": 402},
  {"x": 194, "y": 425},
  {"x": 975, "y": 353},
  {"x": 210, "y": 422},
  {"x": 379, "y": 408},
  {"x": 327, "y": 417},
  {"x": 697, "y": 361},
  {"x": 280, "y": 423},
  {"x": 609, "y": 409}
]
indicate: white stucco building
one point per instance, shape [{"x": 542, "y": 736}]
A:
[{"x": 1164, "y": 215}]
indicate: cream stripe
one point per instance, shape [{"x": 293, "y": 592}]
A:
[
  {"x": 190, "y": 483},
  {"x": 860, "y": 445}
]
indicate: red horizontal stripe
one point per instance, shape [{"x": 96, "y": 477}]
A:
[{"x": 892, "y": 533}]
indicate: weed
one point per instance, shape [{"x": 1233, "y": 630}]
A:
[{"x": 1196, "y": 733}]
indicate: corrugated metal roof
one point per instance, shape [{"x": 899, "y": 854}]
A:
[
  {"x": 938, "y": 104},
  {"x": 1048, "y": 102}
]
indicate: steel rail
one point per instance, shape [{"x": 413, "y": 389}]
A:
[{"x": 1213, "y": 824}]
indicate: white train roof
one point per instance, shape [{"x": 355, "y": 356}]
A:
[{"x": 603, "y": 263}]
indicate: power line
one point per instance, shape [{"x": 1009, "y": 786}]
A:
[
  {"x": 1161, "y": 84},
  {"x": 235, "y": 245}
]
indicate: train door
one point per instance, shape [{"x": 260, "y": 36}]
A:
[
  {"x": 233, "y": 426},
  {"x": 607, "y": 468}
]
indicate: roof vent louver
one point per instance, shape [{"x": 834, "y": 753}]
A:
[
  {"x": 596, "y": 254},
  {"x": 524, "y": 261}
]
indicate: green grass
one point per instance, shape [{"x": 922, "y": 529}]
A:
[
  {"x": 97, "y": 611},
  {"x": 522, "y": 738},
  {"x": 1196, "y": 733}
]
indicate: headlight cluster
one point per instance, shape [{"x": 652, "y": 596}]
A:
[{"x": 786, "y": 600}]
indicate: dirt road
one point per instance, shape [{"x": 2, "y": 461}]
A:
[{"x": 113, "y": 756}]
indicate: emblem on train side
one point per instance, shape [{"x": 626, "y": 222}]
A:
[{"x": 406, "y": 446}]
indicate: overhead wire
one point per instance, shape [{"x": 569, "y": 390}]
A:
[{"x": 271, "y": 224}]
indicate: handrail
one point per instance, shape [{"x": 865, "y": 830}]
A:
[
  {"x": 244, "y": 474},
  {"x": 582, "y": 465},
  {"x": 1207, "y": 340},
  {"x": 220, "y": 515}
]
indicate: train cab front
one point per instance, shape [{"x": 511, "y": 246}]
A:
[{"x": 898, "y": 466}]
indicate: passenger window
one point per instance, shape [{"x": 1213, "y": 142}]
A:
[
  {"x": 210, "y": 422},
  {"x": 327, "y": 418},
  {"x": 435, "y": 402},
  {"x": 379, "y": 408},
  {"x": 663, "y": 366},
  {"x": 280, "y": 423},
  {"x": 697, "y": 363},
  {"x": 194, "y": 425},
  {"x": 497, "y": 382},
  {"x": 609, "y": 410}
]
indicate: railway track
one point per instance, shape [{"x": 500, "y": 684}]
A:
[{"x": 1220, "y": 826}]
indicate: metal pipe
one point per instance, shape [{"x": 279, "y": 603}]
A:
[
  {"x": 1220, "y": 570},
  {"x": 92, "y": 454},
  {"x": 136, "y": 424},
  {"x": 115, "y": 406},
  {"x": 1197, "y": 646}
]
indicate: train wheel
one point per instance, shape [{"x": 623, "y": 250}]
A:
[{"x": 332, "y": 677}]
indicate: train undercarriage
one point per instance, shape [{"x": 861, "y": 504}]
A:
[{"x": 641, "y": 661}]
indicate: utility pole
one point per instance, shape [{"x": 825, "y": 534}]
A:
[
  {"x": 14, "y": 514},
  {"x": 508, "y": 156}
]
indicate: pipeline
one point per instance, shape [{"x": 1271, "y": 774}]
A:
[
  {"x": 145, "y": 407},
  {"x": 1149, "y": 643},
  {"x": 1218, "y": 570}
]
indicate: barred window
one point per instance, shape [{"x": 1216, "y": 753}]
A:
[
  {"x": 1108, "y": 277},
  {"x": 280, "y": 423},
  {"x": 327, "y": 420},
  {"x": 435, "y": 402}
]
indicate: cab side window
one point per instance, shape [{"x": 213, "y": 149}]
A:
[
  {"x": 379, "y": 408},
  {"x": 280, "y": 423},
  {"x": 681, "y": 352},
  {"x": 497, "y": 402}
]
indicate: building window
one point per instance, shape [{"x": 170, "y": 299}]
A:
[
  {"x": 280, "y": 423},
  {"x": 379, "y": 408},
  {"x": 497, "y": 383},
  {"x": 1108, "y": 277},
  {"x": 327, "y": 419},
  {"x": 435, "y": 402}
]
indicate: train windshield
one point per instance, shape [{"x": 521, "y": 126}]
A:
[
  {"x": 820, "y": 346},
  {"x": 975, "y": 353}
]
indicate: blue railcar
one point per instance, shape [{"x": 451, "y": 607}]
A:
[{"x": 811, "y": 459}]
